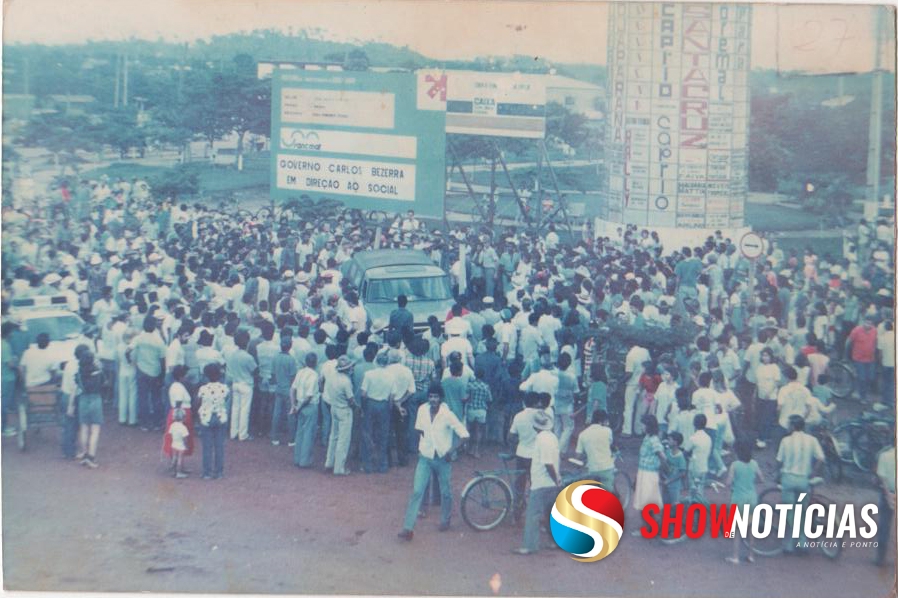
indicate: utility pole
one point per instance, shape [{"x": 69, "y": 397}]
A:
[
  {"x": 118, "y": 79},
  {"x": 874, "y": 149},
  {"x": 125, "y": 81}
]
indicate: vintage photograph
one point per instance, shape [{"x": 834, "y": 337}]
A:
[{"x": 448, "y": 298}]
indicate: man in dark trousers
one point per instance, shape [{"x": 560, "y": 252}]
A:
[{"x": 401, "y": 319}]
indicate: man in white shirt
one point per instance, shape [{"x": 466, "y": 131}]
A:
[
  {"x": 103, "y": 308},
  {"x": 545, "y": 478},
  {"x": 548, "y": 325},
  {"x": 507, "y": 335},
  {"x": 376, "y": 393},
  {"x": 633, "y": 366},
  {"x": 522, "y": 430},
  {"x": 437, "y": 426},
  {"x": 305, "y": 396},
  {"x": 596, "y": 443},
  {"x": 457, "y": 342},
  {"x": 545, "y": 380},
  {"x": 403, "y": 389},
  {"x": 530, "y": 339},
  {"x": 703, "y": 399},
  {"x": 700, "y": 444},
  {"x": 792, "y": 399},
  {"x": 339, "y": 394},
  {"x": 39, "y": 365},
  {"x": 799, "y": 455}
]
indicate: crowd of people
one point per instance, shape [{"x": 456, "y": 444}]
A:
[{"x": 211, "y": 325}]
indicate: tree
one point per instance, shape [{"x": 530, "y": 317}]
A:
[
  {"x": 248, "y": 107},
  {"x": 204, "y": 107},
  {"x": 220, "y": 102},
  {"x": 118, "y": 128},
  {"x": 60, "y": 134},
  {"x": 569, "y": 127},
  {"x": 356, "y": 60}
]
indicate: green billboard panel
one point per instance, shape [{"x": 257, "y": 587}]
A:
[{"x": 360, "y": 137}]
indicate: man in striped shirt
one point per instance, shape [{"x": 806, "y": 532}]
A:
[{"x": 799, "y": 455}]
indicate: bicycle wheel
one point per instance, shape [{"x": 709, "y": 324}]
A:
[
  {"x": 864, "y": 449},
  {"x": 690, "y": 522},
  {"x": 771, "y": 545},
  {"x": 843, "y": 438},
  {"x": 830, "y": 548},
  {"x": 841, "y": 380},
  {"x": 623, "y": 488},
  {"x": 833, "y": 471},
  {"x": 485, "y": 502}
]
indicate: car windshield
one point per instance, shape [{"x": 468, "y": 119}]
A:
[
  {"x": 58, "y": 327},
  {"x": 431, "y": 288}
]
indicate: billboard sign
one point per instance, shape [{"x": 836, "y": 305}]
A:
[
  {"x": 494, "y": 104},
  {"x": 677, "y": 136},
  {"x": 358, "y": 137}
]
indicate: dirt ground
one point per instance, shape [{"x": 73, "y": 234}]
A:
[{"x": 268, "y": 527}]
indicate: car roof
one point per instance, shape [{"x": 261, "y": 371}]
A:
[
  {"x": 404, "y": 271},
  {"x": 35, "y": 314},
  {"x": 391, "y": 257}
]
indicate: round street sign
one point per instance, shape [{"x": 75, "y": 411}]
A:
[{"x": 751, "y": 245}]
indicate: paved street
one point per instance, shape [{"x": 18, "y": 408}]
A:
[{"x": 269, "y": 528}]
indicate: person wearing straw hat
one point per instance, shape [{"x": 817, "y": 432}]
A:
[
  {"x": 545, "y": 478},
  {"x": 339, "y": 393}
]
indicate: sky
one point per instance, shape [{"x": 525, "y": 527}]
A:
[{"x": 815, "y": 38}]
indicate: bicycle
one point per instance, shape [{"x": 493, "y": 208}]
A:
[
  {"x": 841, "y": 380},
  {"x": 488, "y": 498},
  {"x": 716, "y": 487},
  {"x": 623, "y": 484},
  {"x": 870, "y": 433},
  {"x": 772, "y": 545},
  {"x": 832, "y": 450}
]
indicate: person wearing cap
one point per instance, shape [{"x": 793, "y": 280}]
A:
[
  {"x": 376, "y": 393},
  {"x": 507, "y": 336},
  {"x": 488, "y": 313},
  {"x": 545, "y": 480},
  {"x": 437, "y": 428},
  {"x": 339, "y": 393},
  {"x": 457, "y": 329},
  {"x": 305, "y": 395}
]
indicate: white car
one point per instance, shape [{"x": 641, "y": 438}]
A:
[{"x": 35, "y": 315}]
